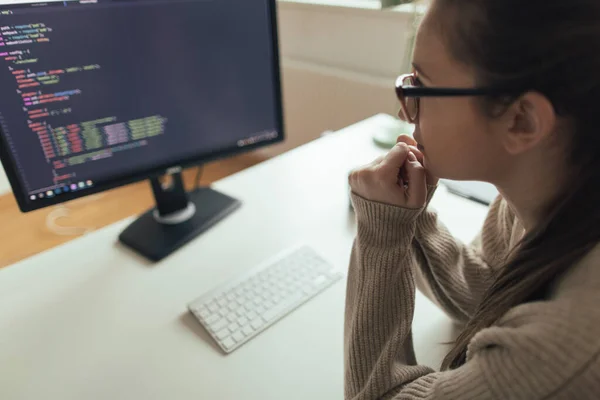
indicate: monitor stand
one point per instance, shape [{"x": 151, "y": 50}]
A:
[{"x": 178, "y": 218}]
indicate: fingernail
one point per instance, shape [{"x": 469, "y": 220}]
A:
[{"x": 412, "y": 157}]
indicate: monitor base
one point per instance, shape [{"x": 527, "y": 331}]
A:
[{"x": 156, "y": 238}]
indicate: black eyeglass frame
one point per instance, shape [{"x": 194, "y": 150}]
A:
[{"x": 404, "y": 92}]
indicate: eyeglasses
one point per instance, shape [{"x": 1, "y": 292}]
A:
[{"x": 409, "y": 93}]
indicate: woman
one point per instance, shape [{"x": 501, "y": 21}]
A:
[{"x": 518, "y": 109}]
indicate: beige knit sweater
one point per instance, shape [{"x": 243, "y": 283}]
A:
[{"x": 543, "y": 350}]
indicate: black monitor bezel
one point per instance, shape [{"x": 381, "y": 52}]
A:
[{"x": 27, "y": 205}]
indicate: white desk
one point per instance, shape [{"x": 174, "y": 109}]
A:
[
  {"x": 90, "y": 320},
  {"x": 4, "y": 185}
]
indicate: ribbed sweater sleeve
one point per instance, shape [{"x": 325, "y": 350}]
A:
[
  {"x": 543, "y": 350},
  {"x": 455, "y": 275}
]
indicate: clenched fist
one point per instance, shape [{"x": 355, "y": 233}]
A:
[{"x": 398, "y": 178}]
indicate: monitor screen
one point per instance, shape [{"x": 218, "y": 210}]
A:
[{"x": 99, "y": 93}]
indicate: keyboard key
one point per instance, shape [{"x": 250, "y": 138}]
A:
[
  {"x": 213, "y": 307},
  {"x": 251, "y": 315},
  {"x": 220, "y": 324},
  {"x": 229, "y": 343},
  {"x": 257, "y": 323},
  {"x": 222, "y": 302},
  {"x": 233, "y": 327},
  {"x": 247, "y": 330},
  {"x": 232, "y": 317},
  {"x": 212, "y": 318},
  {"x": 204, "y": 313},
  {"x": 274, "y": 312},
  {"x": 268, "y": 304},
  {"x": 238, "y": 336},
  {"x": 223, "y": 333}
]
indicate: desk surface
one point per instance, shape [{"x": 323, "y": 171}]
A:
[{"x": 91, "y": 320}]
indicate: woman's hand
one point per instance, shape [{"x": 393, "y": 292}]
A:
[
  {"x": 397, "y": 179},
  {"x": 412, "y": 144}
]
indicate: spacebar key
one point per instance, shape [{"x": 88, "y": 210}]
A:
[{"x": 285, "y": 304}]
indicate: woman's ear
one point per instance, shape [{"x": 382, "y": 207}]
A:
[{"x": 528, "y": 122}]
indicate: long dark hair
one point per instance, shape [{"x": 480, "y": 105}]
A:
[{"x": 551, "y": 47}]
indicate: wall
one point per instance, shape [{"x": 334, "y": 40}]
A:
[{"x": 339, "y": 62}]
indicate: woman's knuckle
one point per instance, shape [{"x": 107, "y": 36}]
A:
[{"x": 357, "y": 174}]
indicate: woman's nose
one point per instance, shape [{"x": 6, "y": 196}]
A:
[{"x": 401, "y": 115}]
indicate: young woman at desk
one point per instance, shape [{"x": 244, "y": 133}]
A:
[{"x": 522, "y": 113}]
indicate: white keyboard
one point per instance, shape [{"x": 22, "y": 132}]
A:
[{"x": 241, "y": 309}]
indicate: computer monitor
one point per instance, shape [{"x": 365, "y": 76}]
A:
[{"x": 95, "y": 94}]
